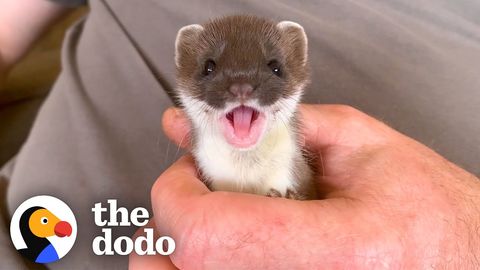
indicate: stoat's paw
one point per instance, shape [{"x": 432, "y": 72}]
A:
[
  {"x": 289, "y": 194},
  {"x": 294, "y": 195},
  {"x": 274, "y": 193}
]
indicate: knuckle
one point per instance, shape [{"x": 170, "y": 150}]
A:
[
  {"x": 351, "y": 116},
  {"x": 161, "y": 189},
  {"x": 157, "y": 189},
  {"x": 163, "y": 185},
  {"x": 369, "y": 129},
  {"x": 348, "y": 112}
]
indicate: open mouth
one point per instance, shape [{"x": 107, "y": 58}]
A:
[{"x": 243, "y": 126}]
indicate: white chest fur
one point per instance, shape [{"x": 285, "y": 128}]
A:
[{"x": 268, "y": 166}]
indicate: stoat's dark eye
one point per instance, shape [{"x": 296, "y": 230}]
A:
[
  {"x": 275, "y": 67},
  {"x": 209, "y": 67},
  {"x": 44, "y": 220}
]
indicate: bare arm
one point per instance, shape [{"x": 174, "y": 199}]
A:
[{"x": 22, "y": 22}]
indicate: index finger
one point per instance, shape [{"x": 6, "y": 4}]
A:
[
  {"x": 177, "y": 127},
  {"x": 329, "y": 125},
  {"x": 322, "y": 126},
  {"x": 173, "y": 190}
]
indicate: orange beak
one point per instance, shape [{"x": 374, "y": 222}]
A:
[{"x": 62, "y": 229}]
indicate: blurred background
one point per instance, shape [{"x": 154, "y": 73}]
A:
[{"x": 27, "y": 86}]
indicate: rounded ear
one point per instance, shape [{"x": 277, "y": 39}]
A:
[
  {"x": 295, "y": 38},
  {"x": 186, "y": 39}
]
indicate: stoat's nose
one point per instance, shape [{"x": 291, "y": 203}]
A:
[
  {"x": 62, "y": 229},
  {"x": 242, "y": 91}
]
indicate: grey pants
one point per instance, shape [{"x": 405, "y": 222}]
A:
[{"x": 414, "y": 65}]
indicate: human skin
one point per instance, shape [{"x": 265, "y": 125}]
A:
[
  {"x": 22, "y": 22},
  {"x": 388, "y": 202}
]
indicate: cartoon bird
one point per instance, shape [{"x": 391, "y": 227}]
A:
[{"x": 36, "y": 224}]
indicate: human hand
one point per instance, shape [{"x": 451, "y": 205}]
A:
[{"x": 389, "y": 202}]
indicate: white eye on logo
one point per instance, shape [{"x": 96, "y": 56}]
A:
[{"x": 43, "y": 229}]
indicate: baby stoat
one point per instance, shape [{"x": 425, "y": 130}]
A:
[{"x": 240, "y": 79}]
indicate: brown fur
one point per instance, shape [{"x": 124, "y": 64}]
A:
[{"x": 241, "y": 47}]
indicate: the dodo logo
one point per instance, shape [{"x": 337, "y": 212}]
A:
[{"x": 43, "y": 229}]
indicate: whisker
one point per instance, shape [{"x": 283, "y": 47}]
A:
[{"x": 166, "y": 154}]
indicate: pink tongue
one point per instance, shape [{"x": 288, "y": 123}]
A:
[{"x": 242, "y": 120}]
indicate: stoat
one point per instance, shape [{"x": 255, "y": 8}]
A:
[{"x": 239, "y": 80}]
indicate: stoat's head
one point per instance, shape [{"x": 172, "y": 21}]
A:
[{"x": 240, "y": 76}]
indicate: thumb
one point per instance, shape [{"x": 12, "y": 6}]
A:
[
  {"x": 173, "y": 191},
  {"x": 146, "y": 262}
]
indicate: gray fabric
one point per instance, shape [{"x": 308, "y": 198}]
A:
[
  {"x": 18, "y": 117},
  {"x": 98, "y": 136},
  {"x": 71, "y": 3}
]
